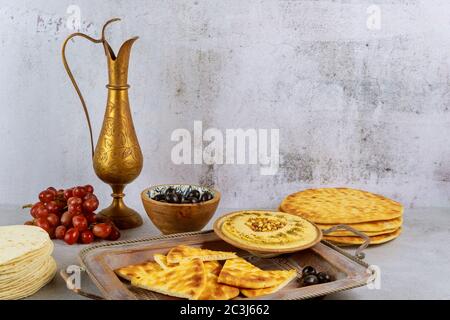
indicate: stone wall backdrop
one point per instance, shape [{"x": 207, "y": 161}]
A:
[{"x": 358, "y": 89}]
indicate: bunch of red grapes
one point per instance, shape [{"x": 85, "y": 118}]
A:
[{"x": 69, "y": 215}]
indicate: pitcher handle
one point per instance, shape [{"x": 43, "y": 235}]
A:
[{"x": 72, "y": 78}]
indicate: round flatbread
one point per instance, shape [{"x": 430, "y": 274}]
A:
[
  {"x": 357, "y": 240},
  {"x": 341, "y": 205},
  {"x": 23, "y": 270},
  {"x": 345, "y": 233},
  {"x": 24, "y": 262},
  {"x": 31, "y": 284},
  {"x": 19, "y": 242},
  {"x": 373, "y": 226}
]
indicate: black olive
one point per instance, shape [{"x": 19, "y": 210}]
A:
[
  {"x": 310, "y": 280},
  {"x": 308, "y": 270},
  {"x": 159, "y": 197},
  {"x": 172, "y": 198},
  {"x": 194, "y": 194},
  {"x": 186, "y": 192},
  {"x": 193, "y": 200},
  {"x": 323, "y": 277},
  {"x": 185, "y": 200},
  {"x": 206, "y": 196},
  {"x": 180, "y": 195},
  {"x": 169, "y": 190}
]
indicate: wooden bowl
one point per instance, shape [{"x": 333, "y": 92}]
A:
[
  {"x": 179, "y": 217},
  {"x": 263, "y": 252}
]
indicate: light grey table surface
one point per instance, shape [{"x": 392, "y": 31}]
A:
[{"x": 414, "y": 266}]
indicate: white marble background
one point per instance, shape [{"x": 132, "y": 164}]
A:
[{"x": 356, "y": 106}]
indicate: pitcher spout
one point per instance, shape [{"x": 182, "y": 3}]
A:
[{"x": 118, "y": 65}]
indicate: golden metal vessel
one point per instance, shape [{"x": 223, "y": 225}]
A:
[{"x": 117, "y": 157}]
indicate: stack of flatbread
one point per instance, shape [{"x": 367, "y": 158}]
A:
[
  {"x": 377, "y": 216},
  {"x": 196, "y": 274},
  {"x": 26, "y": 264}
]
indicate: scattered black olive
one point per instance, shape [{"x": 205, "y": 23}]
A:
[
  {"x": 323, "y": 277},
  {"x": 206, "y": 196},
  {"x": 194, "y": 194},
  {"x": 310, "y": 280},
  {"x": 310, "y": 276},
  {"x": 172, "y": 198},
  {"x": 308, "y": 270}
]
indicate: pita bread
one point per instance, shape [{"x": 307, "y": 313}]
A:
[
  {"x": 18, "y": 243},
  {"x": 162, "y": 261},
  {"x": 187, "y": 280},
  {"x": 357, "y": 240},
  {"x": 345, "y": 233},
  {"x": 240, "y": 273},
  {"x": 372, "y": 226},
  {"x": 23, "y": 270},
  {"x": 181, "y": 253},
  {"x": 213, "y": 289},
  {"x": 31, "y": 284},
  {"x": 251, "y": 293},
  {"x": 134, "y": 270},
  {"x": 26, "y": 264},
  {"x": 23, "y": 263},
  {"x": 213, "y": 267},
  {"x": 341, "y": 205}
]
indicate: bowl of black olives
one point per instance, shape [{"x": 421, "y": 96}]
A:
[{"x": 175, "y": 208}]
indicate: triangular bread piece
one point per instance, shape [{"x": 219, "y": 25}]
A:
[
  {"x": 181, "y": 252},
  {"x": 251, "y": 293},
  {"x": 213, "y": 289},
  {"x": 187, "y": 280},
  {"x": 212, "y": 267},
  {"x": 162, "y": 261},
  {"x": 216, "y": 291},
  {"x": 240, "y": 273},
  {"x": 134, "y": 270}
]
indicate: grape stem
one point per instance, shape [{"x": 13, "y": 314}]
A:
[{"x": 29, "y": 205}]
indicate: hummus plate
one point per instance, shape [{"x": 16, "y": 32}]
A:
[{"x": 260, "y": 231}]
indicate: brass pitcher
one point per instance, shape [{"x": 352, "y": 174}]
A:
[{"x": 117, "y": 157}]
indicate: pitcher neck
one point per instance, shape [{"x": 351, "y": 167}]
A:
[
  {"x": 117, "y": 75},
  {"x": 118, "y": 65}
]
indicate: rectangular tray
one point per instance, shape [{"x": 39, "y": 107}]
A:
[{"x": 101, "y": 260}]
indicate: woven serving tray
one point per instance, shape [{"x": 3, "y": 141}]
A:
[{"x": 100, "y": 261}]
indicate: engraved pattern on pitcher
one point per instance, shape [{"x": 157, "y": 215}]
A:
[{"x": 119, "y": 149}]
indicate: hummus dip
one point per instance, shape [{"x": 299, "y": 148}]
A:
[{"x": 268, "y": 229}]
